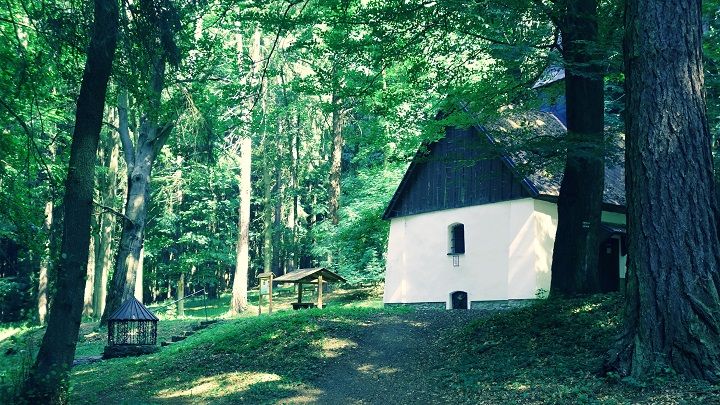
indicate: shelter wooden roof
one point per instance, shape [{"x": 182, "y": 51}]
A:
[
  {"x": 132, "y": 310},
  {"x": 309, "y": 276}
]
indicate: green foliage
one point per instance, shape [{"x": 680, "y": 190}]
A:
[{"x": 360, "y": 240}]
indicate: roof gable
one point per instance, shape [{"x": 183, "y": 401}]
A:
[
  {"x": 132, "y": 310},
  {"x": 459, "y": 170},
  {"x": 465, "y": 168}
]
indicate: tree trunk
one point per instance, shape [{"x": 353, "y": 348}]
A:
[
  {"x": 242, "y": 259},
  {"x": 139, "y": 272},
  {"x": 181, "y": 295},
  {"x": 104, "y": 259},
  {"x": 140, "y": 159},
  {"x": 336, "y": 163},
  {"x": 47, "y": 381},
  {"x": 45, "y": 264},
  {"x": 292, "y": 212},
  {"x": 267, "y": 210},
  {"x": 672, "y": 305},
  {"x": 90, "y": 277},
  {"x": 575, "y": 254},
  {"x": 278, "y": 190}
]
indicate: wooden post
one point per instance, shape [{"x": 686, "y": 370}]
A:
[
  {"x": 319, "y": 299},
  {"x": 260, "y": 298},
  {"x": 270, "y": 280},
  {"x": 299, "y": 292}
]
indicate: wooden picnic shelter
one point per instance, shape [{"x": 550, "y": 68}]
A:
[{"x": 316, "y": 275}]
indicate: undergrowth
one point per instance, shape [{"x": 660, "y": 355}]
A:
[{"x": 552, "y": 352}]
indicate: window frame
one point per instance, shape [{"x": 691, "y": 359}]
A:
[{"x": 456, "y": 232}]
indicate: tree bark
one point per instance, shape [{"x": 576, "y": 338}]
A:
[
  {"x": 242, "y": 259},
  {"x": 336, "y": 162},
  {"x": 139, "y": 274},
  {"x": 293, "y": 209},
  {"x": 672, "y": 305},
  {"x": 278, "y": 191},
  {"x": 90, "y": 276},
  {"x": 45, "y": 264},
  {"x": 181, "y": 295},
  {"x": 47, "y": 380},
  {"x": 107, "y": 227},
  {"x": 575, "y": 253},
  {"x": 267, "y": 207},
  {"x": 140, "y": 159}
]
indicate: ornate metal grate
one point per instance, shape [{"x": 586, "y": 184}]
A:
[{"x": 132, "y": 332}]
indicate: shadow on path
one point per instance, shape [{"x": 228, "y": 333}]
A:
[{"x": 394, "y": 361}]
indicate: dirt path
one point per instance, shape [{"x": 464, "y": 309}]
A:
[{"x": 395, "y": 360}]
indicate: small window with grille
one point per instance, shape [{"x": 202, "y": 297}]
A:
[{"x": 456, "y": 239}]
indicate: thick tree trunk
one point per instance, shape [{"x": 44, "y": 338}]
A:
[
  {"x": 47, "y": 381},
  {"x": 672, "y": 305},
  {"x": 575, "y": 254},
  {"x": 104, "y": 259},
  {"x": 140, "y": 160},
  {"x": 242, "y": 259}
]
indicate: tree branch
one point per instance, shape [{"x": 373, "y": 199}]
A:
[
  {"x": 123, "y": 130},
  {"x": 113, "y": 211},
  {"x": 506, "y": 43},
  {"x": 29, "y": 134}
]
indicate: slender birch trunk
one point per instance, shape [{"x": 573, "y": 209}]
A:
[
  {"x": 104, "y": 257},
  {"x": 90, "y": 277},
  {"x": 45, "y": 264},
  {"x": 181, "y": 295},
  {"x": 242, "y": 261}
]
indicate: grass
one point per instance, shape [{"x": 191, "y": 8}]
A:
[
  {"x": 19, "y": 343},
  {"x": 547, "y": 353},
  {"x": 250, "y": 360},
  {"x": 552, "y": 353}
]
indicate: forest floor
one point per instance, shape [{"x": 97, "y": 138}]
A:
[{"x": 356, "y": 351}]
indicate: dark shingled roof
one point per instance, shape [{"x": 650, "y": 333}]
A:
[
  {"x": 132, "y": 310},
  {"x": 308, "y": 276},
  {"x": 547, "y": 183},
  {"x": 541, "y": 183}
]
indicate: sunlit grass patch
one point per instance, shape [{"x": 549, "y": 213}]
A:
[
  {"x": 217, "y": 385},
  {"x": 333, "y": 347}
]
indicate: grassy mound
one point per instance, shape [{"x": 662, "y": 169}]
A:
[
  {"x": 251, "y": 360},
  {"x": 552, "y": 353}
]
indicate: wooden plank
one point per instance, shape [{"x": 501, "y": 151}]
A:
[
  {"x": 270, "y": 285},
  {"x": 320, "y": 292}
]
